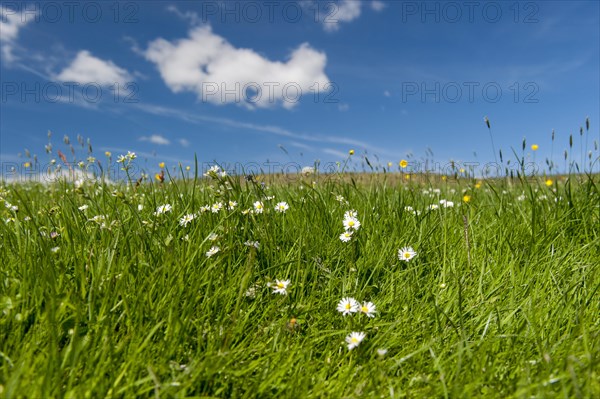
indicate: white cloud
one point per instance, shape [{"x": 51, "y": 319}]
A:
[
  {"x": 11, "y": 22},
  {"x": 343, "y": 107},
  {"x": 184, "y": 142},
  {"x": 208, "y": 65},
  {"x": 343, "y": 11},
  {"x": 86, "y": 68},
  {"x": 156, "y": 139},
  {"x": 377, "y": 5},
  {"x": 387, "y": 93}
]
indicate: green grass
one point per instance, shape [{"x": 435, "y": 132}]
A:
[{"x": 502, "y": 300}]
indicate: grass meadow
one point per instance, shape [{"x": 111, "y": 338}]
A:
[{"x": 344, "y": 285}]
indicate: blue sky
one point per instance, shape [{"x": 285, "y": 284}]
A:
[{"x": 390, "y": 79}]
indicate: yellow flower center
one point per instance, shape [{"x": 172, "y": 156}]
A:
[
  {"x": 354, "y": 340},
  {"x": 348, "y": 306},
  {"x": 407, "y": 255},
  {"x": 280, "y": 285},
  {"x": 364, "y": 309}
]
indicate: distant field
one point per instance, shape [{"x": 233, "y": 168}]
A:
[{"x": 220, "y": 287}]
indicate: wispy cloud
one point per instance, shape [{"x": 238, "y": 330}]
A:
[
  {"x": 194, "y": 118},
  {"x": 11, "y": 21},
  {"x": 336, "y": 153},
  {"x": 377, "y": 5},
  {"x": 302, "y": 146},
  {"x": 189, "y": 16},
  {"x": 155, "y": 139}
]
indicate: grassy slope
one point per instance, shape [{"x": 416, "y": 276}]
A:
[{"x": 135, "y": 310}]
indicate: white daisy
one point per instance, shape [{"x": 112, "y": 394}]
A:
[
  {"x": 433, "y": 207},
  {"x": 259, "y": 207},
  {"x": 212, "y": 251},
  {"x": 163, "y": 209},
  {"x": 231, "y": 206},
  {"x": 406, "y": 254},
  {"x": 346, "y": 236},
  {"x": 354, "y": 339},
  {"x": 212, "y": 237},
  {"x": 348, "y": 305},
  {"x": 282, "y": 207},
  {"x": 368, "y": 308},
  {"x": 216, "y": 207},
  {"x": 351, "y": 223},
  {"x": 280, "y": 287},
  {"x": 186, "y": 219},
  {"x": 83, "y": 207}
]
